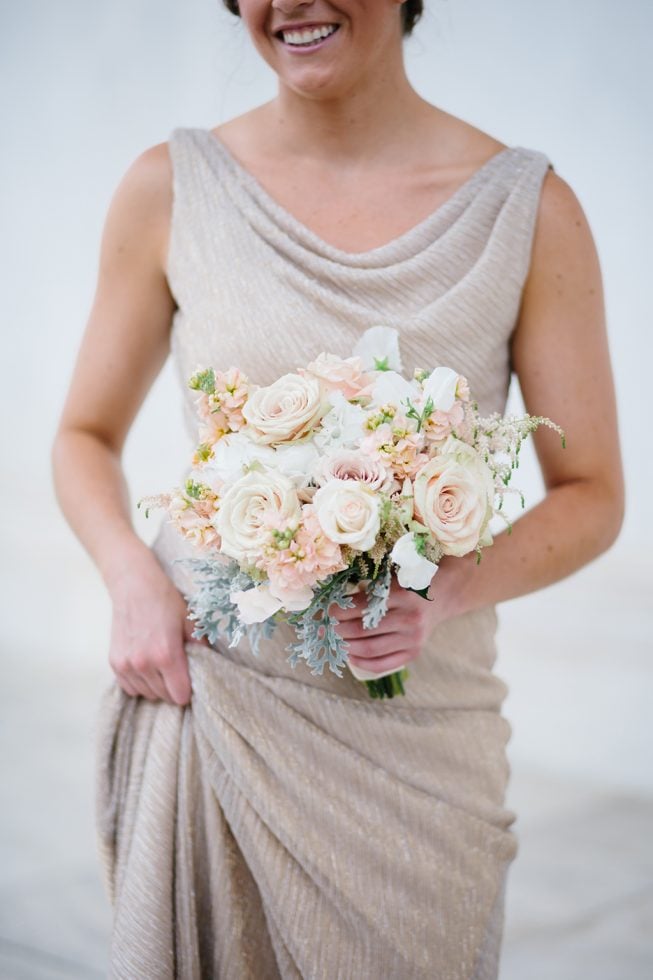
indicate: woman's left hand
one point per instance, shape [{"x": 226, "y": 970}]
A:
[{"x": 401, "y": 634}]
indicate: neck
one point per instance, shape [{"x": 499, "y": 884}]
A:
[{"x": 369, "y": 120}]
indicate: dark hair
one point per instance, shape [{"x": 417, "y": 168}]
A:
[{"x": 411, "y": 12}]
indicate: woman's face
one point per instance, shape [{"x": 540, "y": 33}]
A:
[{"x": 355, "y": 36}]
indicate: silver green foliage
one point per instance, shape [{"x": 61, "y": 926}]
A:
[
  {"x": 318, "y": 642},
  {"x": 378, "y": 592},
  {"x": 210, "y": 605}
]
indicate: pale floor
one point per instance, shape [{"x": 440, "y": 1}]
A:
[{"x": 580, "y": 898}]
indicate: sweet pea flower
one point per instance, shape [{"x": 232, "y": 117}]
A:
[{"x": 414, "y": 571}]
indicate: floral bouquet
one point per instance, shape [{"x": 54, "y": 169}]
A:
[{"x": 326, "y": 482}]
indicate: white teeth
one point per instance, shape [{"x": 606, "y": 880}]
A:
[{"x": 308, "y": 36}]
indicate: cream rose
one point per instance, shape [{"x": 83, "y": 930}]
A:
[
  {"x": 453, "y": 497},
  {"x": 348, "y": 513},
  {"x": 250, "y": 507},
  {"x": 286, "y": 410}
]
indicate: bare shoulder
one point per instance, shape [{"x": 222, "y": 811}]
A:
[
  {"x": 467, "y": 145},
  {"x": 563, "y": 244},
  {"x": 561, "y": 219},
  {"x": 141, "y": 204}
]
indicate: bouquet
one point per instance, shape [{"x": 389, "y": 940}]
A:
[{"x": 327, "y": 482}]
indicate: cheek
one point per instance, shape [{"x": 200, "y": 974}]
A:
[{"x": 256, "y": 15}]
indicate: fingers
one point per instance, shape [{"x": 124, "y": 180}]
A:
[
  {"x": 189, "y": 626},
  {"x": 135, "y": 685},
  {"x": 396, "y": 620},
  {"x": 393, "y": 661},
  {"x": 176, "y": 679},
  {"x": 377, "y": 646},
  {"x": 165, "y": 679}
]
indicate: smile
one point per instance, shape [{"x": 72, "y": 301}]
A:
[{"x": 308, "y": 38}]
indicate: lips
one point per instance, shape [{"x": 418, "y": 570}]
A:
[{"x": 305, "y": 37}]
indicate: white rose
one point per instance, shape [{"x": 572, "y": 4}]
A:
[
  {"x": 378, "y": 349},
  {"x": 441, "y": 386},
  {"x": 242, "y": 518},
  {"x": 255, "y": 605},
  {"x": 414, "y": 571},
  {"x": 348, "y": 513},
  {"x": 454, "y": 493},
  {"x": 286, "y": 410}
]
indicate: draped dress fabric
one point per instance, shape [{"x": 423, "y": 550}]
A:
[{"x": 284, "y": 824}]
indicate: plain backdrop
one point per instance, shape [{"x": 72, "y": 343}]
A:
[{"x": 87, "y": 86}]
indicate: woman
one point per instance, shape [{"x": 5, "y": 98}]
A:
[{"x": 256, "y": 820}]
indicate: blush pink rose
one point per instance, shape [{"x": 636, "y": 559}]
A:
[
  {"x": 341, "y": 374},
  {"x": 453, "y": 497}
]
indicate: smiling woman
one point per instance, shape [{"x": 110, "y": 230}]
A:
[
  {"x": 254, "y": 821},
  {"x": 411, "y": 11}
]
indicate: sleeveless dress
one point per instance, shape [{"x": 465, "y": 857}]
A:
[{"x": 286, "y": 825}]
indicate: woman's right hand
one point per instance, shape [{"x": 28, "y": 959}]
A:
[{"x": 150, "y": 626}]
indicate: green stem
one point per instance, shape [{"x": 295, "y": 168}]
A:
[{"x": 388, "y": 686}]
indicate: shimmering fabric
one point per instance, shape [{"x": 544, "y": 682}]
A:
[{"x": 285, "y": 825}]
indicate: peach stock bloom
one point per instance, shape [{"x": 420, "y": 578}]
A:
[
  {"x": 221, "y": 410},
  {"x": 439, "y": 425},
  {"x": 300, "y": 556},
  {"x": 398, "y": 446},
  {"x": 232, "y": 391},
  {"x": 193, "y": 516},
  {"x": 341, "y": 374}
]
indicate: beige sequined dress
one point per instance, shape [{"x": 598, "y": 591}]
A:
[{"x": 285, "y": 825}]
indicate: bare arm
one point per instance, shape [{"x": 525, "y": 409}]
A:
[
  {"x": 560, "y": 354},
  {"x": 125, "y": 344}
]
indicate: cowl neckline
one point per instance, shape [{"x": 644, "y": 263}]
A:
[{"x": 397, "y": 249}]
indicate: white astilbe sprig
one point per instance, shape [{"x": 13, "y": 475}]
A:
[{"x": 499, "y": 439}]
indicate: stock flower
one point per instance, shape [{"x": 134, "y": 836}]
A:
[
  {"x": 439, "y": 425},
  {"x": 299, "y": 559},
  {"x": 348, "y": 512},
  {"x": 193, "y": 512},
  {"x": 286, "y": 410},
  {"x": 397, "y": 445},
  {"x": 453, "y": 495}
]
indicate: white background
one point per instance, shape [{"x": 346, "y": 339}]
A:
[{"x": 86, "y": 86}]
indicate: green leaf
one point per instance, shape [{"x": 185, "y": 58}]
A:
[
  {"x": 424, "y": 593},
  {"x": 203, "y": 381}
]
